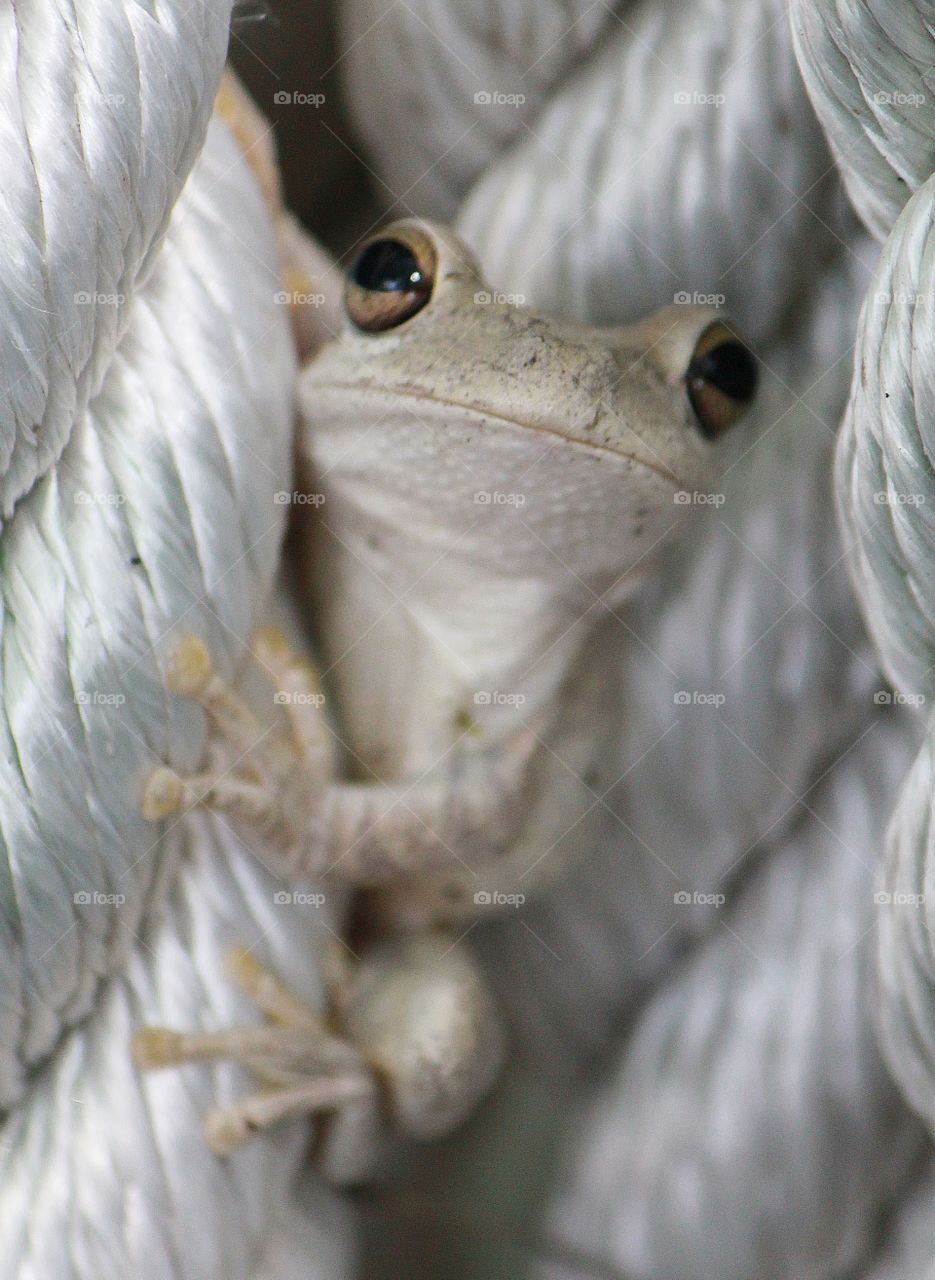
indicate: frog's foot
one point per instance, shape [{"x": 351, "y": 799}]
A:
[
  {"x": 305, "y": 1068},
  {"x": 411, "y": 1041},
  {"x": 272, "y": 779}
]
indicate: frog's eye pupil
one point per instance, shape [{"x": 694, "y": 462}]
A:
[
  {"x": 730, "y": 368},
  {"x": 388, "y": 266},
  {"x": 391, "y": 279},
  {"x": 721, "y": 380}
]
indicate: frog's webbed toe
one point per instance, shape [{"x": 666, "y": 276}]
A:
[
  {"x": 410, "y": 1040},
  {"x": 303, "y": 1067},
  {"x": 273, "y": 778}
]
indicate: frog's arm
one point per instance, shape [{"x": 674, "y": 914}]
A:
[
  {"x": 463, "y": 817},
  {"x": 464, "y": 813}
]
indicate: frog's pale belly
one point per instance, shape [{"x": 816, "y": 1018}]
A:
[{"x": 414, "y": 689}]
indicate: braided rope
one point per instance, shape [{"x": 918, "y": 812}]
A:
[
  {"x": 145, "y": 425},
  {"x": 161, "y": 395},
  {"x": 870, "y": 74}
]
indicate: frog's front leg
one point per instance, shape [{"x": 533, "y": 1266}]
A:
[{"x": 461, "y": 814}]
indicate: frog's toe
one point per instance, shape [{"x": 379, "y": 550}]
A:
[
  {"x": 162, "y": 796},
  {"x": 255, "y": 767},
  {"x": 268, "y": 993},
  {"x": 190, "y": 673},
  {"x": 189, "y": 669},
  {"x": 299, "y": 694},
  {"x": 228, "y": 1128},
  {"x": 167, "y": 793},
  {"x": 155, "y": 1047}
]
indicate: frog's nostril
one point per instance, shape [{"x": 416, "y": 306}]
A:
[{"x": 721, "y": 380}]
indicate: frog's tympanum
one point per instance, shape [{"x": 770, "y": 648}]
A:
[{"x": 489, "y": 486}]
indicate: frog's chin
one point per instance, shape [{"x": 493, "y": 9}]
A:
[{"x": 405, "y": 404}]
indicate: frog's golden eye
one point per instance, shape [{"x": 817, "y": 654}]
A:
[
  {"x": 391, "y": 279},
  {"x": 720, "y": 380}
]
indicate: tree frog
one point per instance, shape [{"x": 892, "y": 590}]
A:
[{"x": 487, "y": 482}]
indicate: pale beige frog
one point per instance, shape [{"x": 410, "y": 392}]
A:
[{"x": 493, "y": 482}]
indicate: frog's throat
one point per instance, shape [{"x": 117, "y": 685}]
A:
[{"x": 556, "y": 430}]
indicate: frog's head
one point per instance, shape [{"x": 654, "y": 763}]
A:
[{"x": 447, "y": 407}]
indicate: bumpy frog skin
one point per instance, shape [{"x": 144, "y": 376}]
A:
[{"x": 490, "y": 483}]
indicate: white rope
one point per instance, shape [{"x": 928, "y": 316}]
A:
[
  {"x": 652, "y": 165},
  {"x": 438, "y": 93},
  {"x": 870, "y": 72},
  {"x": 886, "y": 482},
  {"x": 145, "y": 425},
  {"x": 102, "y": 111},
  {"x": 146, "y": 375},
  {"x": 868, "y": 68},
  {"x": 107, "y": 1174},
  {"x": 749, "y": 1126}
]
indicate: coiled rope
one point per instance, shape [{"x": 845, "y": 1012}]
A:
[
  {"x": 870, "y": 70},
  {"x": 659, "y": 148},
  {"x": 145, "y": 425}
]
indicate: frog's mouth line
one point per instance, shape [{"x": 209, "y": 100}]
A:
[{"x": 663, "y": 472}]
